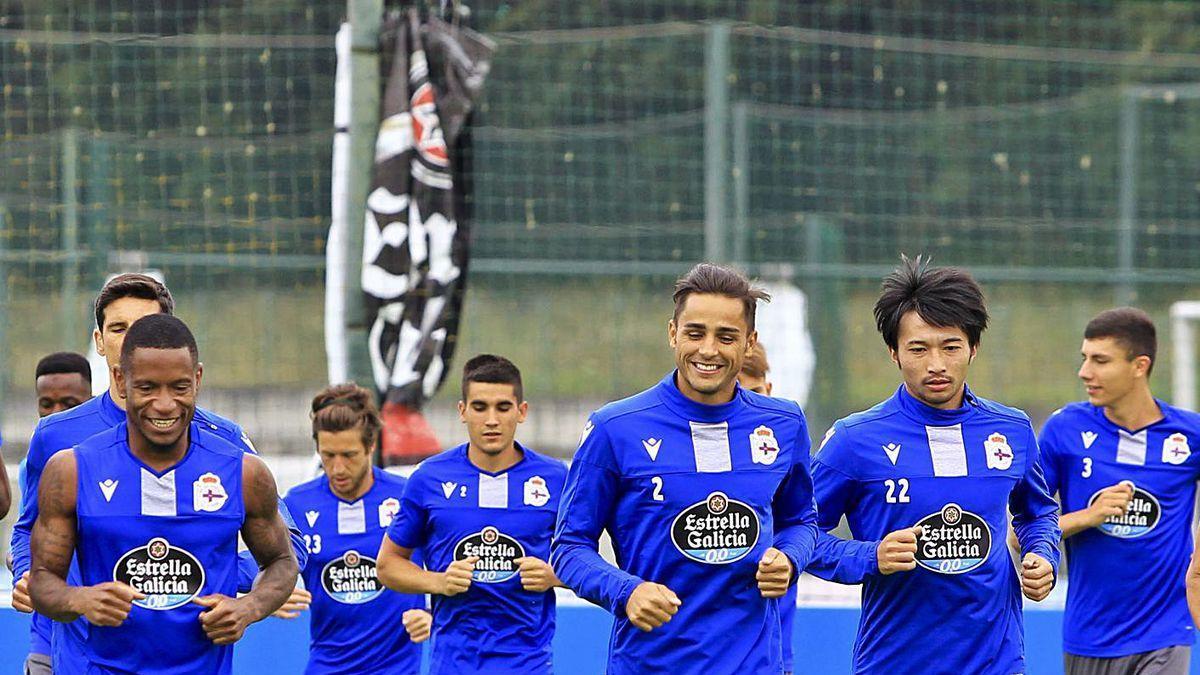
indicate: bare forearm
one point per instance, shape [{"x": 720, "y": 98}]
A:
[
  {"x": 1193, "y": 592},
  {"x": 52, "y": 596},
  {"x": 274, "y": 586},
  {"x": 1075, "y": 522},
  {"x": 404, "y": 576}
]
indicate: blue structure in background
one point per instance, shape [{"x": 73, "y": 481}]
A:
[{"x": 824, "y": 637}]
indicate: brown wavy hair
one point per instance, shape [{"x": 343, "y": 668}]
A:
[{"x": 346, "y": 406}]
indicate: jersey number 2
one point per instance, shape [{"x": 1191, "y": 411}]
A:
[
  {"x": 657, "y": 495},
  {"x": 892, "y": 496}
]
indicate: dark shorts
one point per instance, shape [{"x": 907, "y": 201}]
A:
[
  {"x": 38, "y": 664},
  {"x": 1166, "y": 661}
]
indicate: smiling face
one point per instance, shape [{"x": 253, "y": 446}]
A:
[
  {"x": 119, "y": 315},
  {"x": 1108, "y": 372},
  {"x": 61, "y": 391},
  {"x": 492, "y": 412},
  {"x": 346, "y": 461},
  {"x": 933, "y": 361},
  {"x": 711, "y": 339},
  {"x": 159, "y": 387}
]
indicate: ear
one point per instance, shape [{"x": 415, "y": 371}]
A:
[
  {"x": 118, "y": 378},
  {"x": 462, "y": 412},
  {"x": 770, "y": 386},
  {"x": 974, "y": 353},
  {"x": 522, "y": 411},
  {"x": 751, "y": 340},
  {"x": 1141, "y": 365},
  {"x": 672, "y": 329},
  {"x": 99, "y": 343},
  {"x": 895, "y": 355},
  {"x": 199, "y": 375}
]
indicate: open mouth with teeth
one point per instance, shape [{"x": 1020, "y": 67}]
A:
[
  {"x": 706, "y": 368},
  {"x": 158, "y": 423}
]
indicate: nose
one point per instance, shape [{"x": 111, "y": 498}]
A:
[
  {"x": 1085, "y": 373},
  {"x": 936, "y": 363},
  {"x": 709, "y": 346}
]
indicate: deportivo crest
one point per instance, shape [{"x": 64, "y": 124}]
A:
[
  {"x": 208, "y": 494},
  {"x": 351, "y": 579},
  {"x": 1175, "y": 449},
  {"x": 717, "y": 531},
  {"x": 537, "y": 493},
  {"x": 388, "y": 509},
  {"x": 763, "y": 446},
  {"x": 999, "y": 455},
  {"x": 497, "y": 554},
  {"x": 169, "y": 577},
  {"x": 1141, "y": 515},
  {"x": 953, "y": 541}
]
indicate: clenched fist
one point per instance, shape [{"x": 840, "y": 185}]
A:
[
  {"x": 417, "y": 623},
  {"x": 651, "y": 605},
  {"x": 1037, "y": 577},
  {"x": 898, "y": 551},
  {"x": 297, "y": 602},
  {"x": 536, "y": 575},
  {"x": 20, "y": 595},
  {"x": 774, "y": 573},
  {"x": 457, "y": 577},
  {"x": 226, "y": 619},
  {"x": 107, "y": 604},
  {"x": 1111, "y": 502}
]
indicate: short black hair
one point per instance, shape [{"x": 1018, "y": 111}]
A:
[
  {"x": 64, "y": 362},
  {"x": 158, "y": 331},
  {"x": 493, "y": 370},
  {"x": 1129, "y": 326},
  {"x": 132, "y": 285},
  {"x": 719, "y": 280},
  {"x": 942, "y": 296}
]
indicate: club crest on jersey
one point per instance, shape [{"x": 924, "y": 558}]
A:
[
  {"x": 351, "y": 579},
  {"x": 953, "y": 541},
  {"x": 169, "y": 576},
  {"x": 1141, "y": 515},
  {"x": 763, "y": 446},
  {"x": 1175, "y": 449},
  {"x": 999, "y": 455},
  {"x": 716, "y": 531},
  {"x": 497, "y": 554},
  {"x": 537, "y": 493},
  {"x": 388, "y": 509},
  {"x": 208, "y": 494}
]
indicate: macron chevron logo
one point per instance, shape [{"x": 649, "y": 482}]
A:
[
  {"x": 652, "y": 445},
  {"x": 311, "y": 517},
  {"x": 893, "y": 452},
  {"x": 1089, "y": 437},
  {"x": 108, "y": 487},
  {"x": 448, "y": 488}
]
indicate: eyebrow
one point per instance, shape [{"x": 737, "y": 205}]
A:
[{"x": 720, "y": 329}]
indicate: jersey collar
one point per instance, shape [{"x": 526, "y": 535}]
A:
[
  {"x": 688, "y": 409},
  {"x": 109, "y": 410},
  {"x": 927, "y": 414}
]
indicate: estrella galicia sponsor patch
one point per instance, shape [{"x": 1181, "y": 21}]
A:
[
  {"x": 953, "y": 541},
  {"x": 351, "y": 579},
  {"x": 169, "y": 576},
  {"x": 716, "y": 531},
  {"x": 497, "y": 554},
  {"x": 1141, "y": 515}
]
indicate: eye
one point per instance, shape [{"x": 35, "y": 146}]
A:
[{"x": 916, "y": 350}]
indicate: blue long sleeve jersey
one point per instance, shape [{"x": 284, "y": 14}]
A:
[
  {"x": 67, "y": 429},
  {"x": 1143, "y": 553},
  {"x": 356, "y": 623},
  {"x": 453, "y": 510},
  {"x": 692, "y": 496},
  {"x": 956, "y": 473}
]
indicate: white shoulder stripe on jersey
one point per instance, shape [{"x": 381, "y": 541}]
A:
[
  {"x": 158, "y": 494},
  {"x": 493, "y": 491},
  {"x": 710, "y": 445},
  {"x": 947, "y": 450},
  {"x": 352, "y": 519},
  {"x": 1131, "y": 448}
]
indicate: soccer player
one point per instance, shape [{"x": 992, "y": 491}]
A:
[
  {"x": 925, "y": 480},
  {"x": 705, "y": 490},
  {"x": 753, "y": 377},
  {"x": 344, "y": 514},
  {"x": 63, "y": 381},
  {"x": 482, "y": 515},
  {"x": 1121, "y": 463},
  {"x": 122, "y": 301},
  {"x": 152, "y": 510}
]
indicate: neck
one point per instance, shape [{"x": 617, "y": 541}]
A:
[
  {"x": 114, "y": 393},
  {"x": 493, "y": 463},
  {"x": 361, "y": 489},
  {"x": 716, "y": 398},
  {"x": 157, "y": 457},
  {"x": 1135, "y": 410}
]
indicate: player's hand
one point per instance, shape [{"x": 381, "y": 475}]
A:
[
  {"x": 107, "y": 604},
  {"x": 537, "y": 576},
  {"x": 457, "y": 577},
  {"x": 651, "y": 605},
  {"x": 898, "y": 551},
  {"x": 1111, "y": 502},
  {"x": 20, "y": 595},
  {"x": 417, "y": 623},
  {"x": 1037, "y": 577},
  {"x": 297, "y": 602},
  {"x": 226, "y": 619},
  {"x": 774, "y": 573}
]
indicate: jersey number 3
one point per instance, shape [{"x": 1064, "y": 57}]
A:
[{"x": 897, "y": 491}]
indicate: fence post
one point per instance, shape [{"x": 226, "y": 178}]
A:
[
  {"x": 69, "y": 182},
  {"x": 741, "y": 183},
  {"x": 1126, "y": 291},
  {"x": 716, "y": 141}
]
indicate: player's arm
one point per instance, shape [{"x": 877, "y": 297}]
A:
[
  {"x": 247, "y": 566},
  {"x": 5, "y": 490},
  {"x": 398, "y": 572},
  {"x": 28, "y": 480},
  {"x": 53, "y": 544},
  {"x": 226, "y": 619},
  {"x": 1035, "y": 521},
  {"x": 1193, "y": 583},
  {"x": 795, "y": 523}
]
